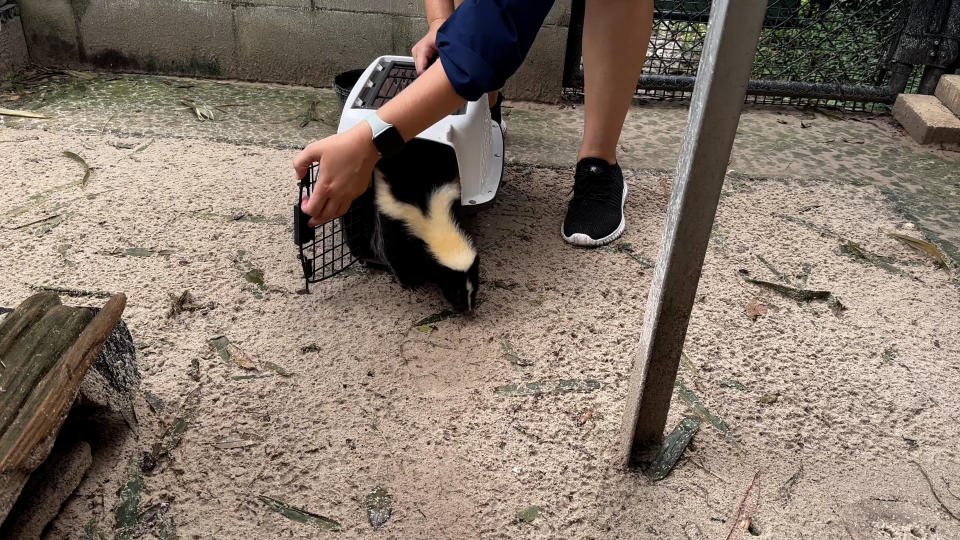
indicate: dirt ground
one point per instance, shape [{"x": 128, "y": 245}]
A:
[{"x": 834, "y": 418}]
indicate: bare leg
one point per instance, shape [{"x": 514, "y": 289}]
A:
[{"x": 616, "y": 34}]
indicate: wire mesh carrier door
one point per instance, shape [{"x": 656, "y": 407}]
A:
[{"x": 330, "y": 248}]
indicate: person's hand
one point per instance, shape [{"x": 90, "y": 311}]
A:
[
  {"x": 426, "y": 48},
  {"x": 346, "y": 162}
]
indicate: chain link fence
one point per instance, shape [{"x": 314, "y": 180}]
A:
[{"x": 830, "y": 53}]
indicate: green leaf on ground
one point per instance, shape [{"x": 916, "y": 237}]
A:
[
  {"x": 688, "y": 364},
  {"x": 313, "y": 347},
  {"x": 687, "y": 396},
  {"x": 251, "y": 274},
  {"x": 127, "y": 514},
  {"x": 673, "y": 446},
  {"x": 563, "y": 386},
  {"x": 437, "y": 317},
  {"x": 730, "y": 383},
  {"x": 379, "y": 504},
  {"x": 857, "y": 252},
  {"x": 890, "y": 354},
  {"x": 229, "y": 352},
  {"x": 800, "y": 295},
  {"x": 81, "y": 161},
  {"x": 194, "y": 369},
  {"x": 279, "y": 370},
  {"x": 511, "y": 355},
  {"x": 300, "y": 515},
  {"x": 780, "y": 275},
  {"x": 528, "y": 514}
]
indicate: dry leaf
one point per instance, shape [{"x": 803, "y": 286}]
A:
[
  {"x": 755, "y": 309},
  {"x": 923, "y": 247},
  {"x": 21, "y": 114},
  {"x": 80, "y": 160}
]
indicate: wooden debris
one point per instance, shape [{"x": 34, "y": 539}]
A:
[
  {"x": 34, "y": 222},
  {"x": 55, "y": 392},
  {"x": 742, "y": 517},
  {"x": 300, "y": 515},
  {"x": 67, "y": 291},
  {"x": 562, "y": 386},
  {"x": 22, "y": 114},
  {"x": 800, "y": 295},
  {"x": 81, "y": 161},
  {"x": 924, "y": 247},
  {"x": 379, "y": 504},
  {"x": 46, "y": 491},
  {"x": 673, "y": 446}
]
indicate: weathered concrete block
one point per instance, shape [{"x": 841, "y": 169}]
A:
[
  {"x": 410, "y": 8},
  {"x": 50, "y": 29},
  {"x": 165, "y": 36},
  {"x": 313, "y": 49},
  {"x": 948, "y": 92},
  {"x": 540, "y": 78},
  {"x": 13, "y": 46},
  {"x": 926, "y": 119}
]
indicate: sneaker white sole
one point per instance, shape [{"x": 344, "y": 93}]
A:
[{"x": 582, "y": 240}]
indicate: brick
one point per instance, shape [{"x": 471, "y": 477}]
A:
[
  {"x": 926, "y": 119},
  {"x": 948, "y": 92}
]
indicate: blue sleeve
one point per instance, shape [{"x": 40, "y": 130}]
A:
[{"x": 484, "y": 42}]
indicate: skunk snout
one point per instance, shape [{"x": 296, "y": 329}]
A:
[{"x": 460, "y": 288}]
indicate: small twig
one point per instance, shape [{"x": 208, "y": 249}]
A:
[
  {"x": 743, "y": 504},
  {"x": 67, "y": 291},
  {"x": 41, "y": 220},
  {"x": 934, "y": 491},
  {"x": 21, "y": 139}
]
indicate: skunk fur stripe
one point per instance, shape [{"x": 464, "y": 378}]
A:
[{"x": 443, "y": 238}]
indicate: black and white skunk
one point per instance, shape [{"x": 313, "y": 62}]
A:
[{"x": 409, "y": 221}]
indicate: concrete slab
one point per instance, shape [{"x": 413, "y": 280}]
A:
[
  {"x": 926, "y": 119},
  {"x": 948, "y": 92}
]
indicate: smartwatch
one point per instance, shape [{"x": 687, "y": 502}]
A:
[{"x": 386, "y": 138}]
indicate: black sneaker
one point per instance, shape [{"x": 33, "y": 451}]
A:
[
  {"x": 496, "y": 113},
  {"x": 595, "y": 213}
]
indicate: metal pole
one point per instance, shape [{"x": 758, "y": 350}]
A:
[{"x": 718, "y": 95}]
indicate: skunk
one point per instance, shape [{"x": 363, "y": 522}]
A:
[{"x": 409, "y": 221}]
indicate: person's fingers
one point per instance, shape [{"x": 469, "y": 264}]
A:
[
  {"x": 313, "y": 206},
  {"x": 420, "y": 59},
  {"x": 306, "y": 157},
  {"x": 319, "y": 218}
]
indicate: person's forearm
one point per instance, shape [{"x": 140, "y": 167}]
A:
[
  {"x": 429, "y": 99},
  {"x": 437, "y": 11}
]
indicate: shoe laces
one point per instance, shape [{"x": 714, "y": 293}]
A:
[{"x": 595, "y": 186}]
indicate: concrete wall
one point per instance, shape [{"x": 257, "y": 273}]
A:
[
  {"x": 13, "y": 47},
  {"x": 291, "y": 41}
]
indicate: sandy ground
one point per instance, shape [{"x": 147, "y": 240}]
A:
[{"x": 834, "y": 415}]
